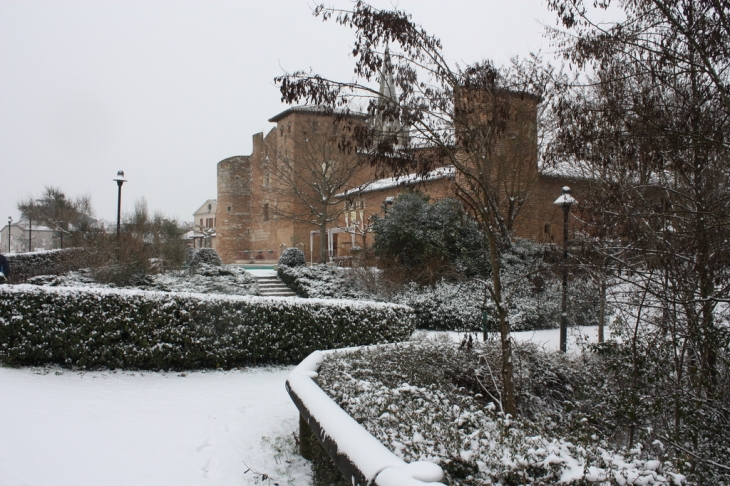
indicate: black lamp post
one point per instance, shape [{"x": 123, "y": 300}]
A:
[
  {"x": 120, "y": 180},
  {"x": 565, "y": 200},
  {"x": 10, "y": 221}
]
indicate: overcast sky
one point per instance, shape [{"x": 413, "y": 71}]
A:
[{"x": 164, "y": 90}]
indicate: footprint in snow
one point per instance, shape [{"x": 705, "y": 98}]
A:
[
  {"x": 209, "y": 470},
  {"x": 208, "y": 443}
]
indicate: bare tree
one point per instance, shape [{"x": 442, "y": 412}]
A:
[
  {"x": 652, "y": 122},
  {"x": 309, "y": 174},
  {"x": 54, "y": 210},
  {"x": 479, "y": 119}
]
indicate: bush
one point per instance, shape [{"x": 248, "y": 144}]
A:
[
  {"x": 54, "y": 262},
  {"x": 114, "y": 328},
  {"x": 433, "y": 400},
  {"x": 427, "y": 242},
  {"x": 207, "y": 256},
  {"x": 320, "y": 282},
  {"x": 292, "y": 257}
]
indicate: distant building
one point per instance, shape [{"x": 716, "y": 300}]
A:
[
  {"x": 249, "y": 226},
  {"x": 24, "y": 238},
  {"x": 203, "y": 233}
]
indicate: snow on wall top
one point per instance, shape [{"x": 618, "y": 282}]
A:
[
  {"x": 410, "y": 179},
  {"x": 294, "y": 301}
]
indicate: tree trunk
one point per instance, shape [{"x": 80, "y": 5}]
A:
[
  {"x": 508, "y": 384},
  {"x": 323, "y": 243}
]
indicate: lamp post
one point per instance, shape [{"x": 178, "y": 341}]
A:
[
  {"x": 10, "y": 221},
  {"x": 120, "y": 180},
  {"x": 565, "y": 200}
]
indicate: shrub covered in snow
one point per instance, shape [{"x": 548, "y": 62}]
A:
[
  {"x": 433, "y": 401},
  {"x": 207, "y": 279},
  {"x": 97, "y": 328},
  {"x": 533, "y": 292},
  {"x": 320, "y": 282},
  {"x": 292, "y": 257},
  {"x": 54, "y": 262},
  {"x": 207, "y": 256}
]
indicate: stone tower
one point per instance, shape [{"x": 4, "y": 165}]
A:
[{"x": 234, "y": 206}]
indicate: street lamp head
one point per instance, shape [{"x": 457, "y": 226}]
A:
[
  {"x": 120, "y": 177},
  {"x": 565, "y": 198}
]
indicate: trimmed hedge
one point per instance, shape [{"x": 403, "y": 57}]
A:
[
  {"x": 132, "y": 329},
  {"x": 292, "y": 257},
  {"x": 53, "y": 262}
]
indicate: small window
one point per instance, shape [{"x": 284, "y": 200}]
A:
[
  {"x": 210, "y": 206},
  {"x": 229, "y": 209},
  {"x": 281, "y": 130},
  {"x": 548, "y": 228},
  {"x": 362, "y": 204},
  {"x": 266, "y": 212},
  {"x": 288, "y": 127},
  {"x": 267, "y": 179}
]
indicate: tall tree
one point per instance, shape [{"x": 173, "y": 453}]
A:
[
  {"x": 651, "y": 119},
  {"x": 470, "y": 118},
  {"x": 57, "y": 212},
  {"x": 308, "y": 174}
]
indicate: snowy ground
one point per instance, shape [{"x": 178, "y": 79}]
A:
[
  {"x": 549, "y": 339},
  {"x": 64, "y": 428},
  {"x": 68, "y": 428}
]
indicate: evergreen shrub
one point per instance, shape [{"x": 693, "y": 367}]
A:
[
  {"x": 206, "y": 256},
  {"x": 292, "y": 257},
  {"x": 53, "y": 262},
  {"x": 132, "y": 329}
]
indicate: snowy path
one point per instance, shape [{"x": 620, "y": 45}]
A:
[{"x": 124, "y": 428}]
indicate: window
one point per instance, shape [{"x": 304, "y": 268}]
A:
[
  {"x": 229, "y": 209},
  {"x": 266, "y": 211},
  {"x": 267, "y": 179},
  {"x": 547, "y": 229}
]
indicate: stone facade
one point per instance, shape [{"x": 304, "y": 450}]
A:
[{"x": 251, "y": 202}]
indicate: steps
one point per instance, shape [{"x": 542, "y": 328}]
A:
[{"x": 271, "y": 286}]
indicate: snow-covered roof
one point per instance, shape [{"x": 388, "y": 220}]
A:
[
  {"x": 318, "y": 110},
  {"x": 409, "y": 180}
]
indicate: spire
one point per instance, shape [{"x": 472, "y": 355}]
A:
[{"x": 387, "y": 96}]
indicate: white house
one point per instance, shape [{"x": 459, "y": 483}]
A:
[
  {"x": 204, "y": 222},
  {"x": 23, "y": 238}
]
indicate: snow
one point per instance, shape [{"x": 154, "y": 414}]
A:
[
  {"x": 549, "y": 339},
  {"x": 60, "y": 427},
  {"x": 408, "y": 180},
  {"x": 353, "y": 441},
  {"x": 122, "y": 428},
  {"x": 258, "y": 272}
]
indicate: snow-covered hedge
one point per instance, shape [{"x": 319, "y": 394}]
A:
[
  {"x": 319, "y": 282},
  {"x": 54, "y": 262},
  {"x": 114, "y": 328},
  {"x": 446, "y": 306},
  {"x": 431, "y": 401},
  {"x": 292, "y": 257},
  {"x": 206, "y": 256}
]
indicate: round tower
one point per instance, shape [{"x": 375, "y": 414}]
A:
[{"x": 234, "y": 208}]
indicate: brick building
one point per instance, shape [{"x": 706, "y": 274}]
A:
[{"x": 257, "y": 217}]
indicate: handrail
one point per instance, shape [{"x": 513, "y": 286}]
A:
[{"x": 361, "y": 458}]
